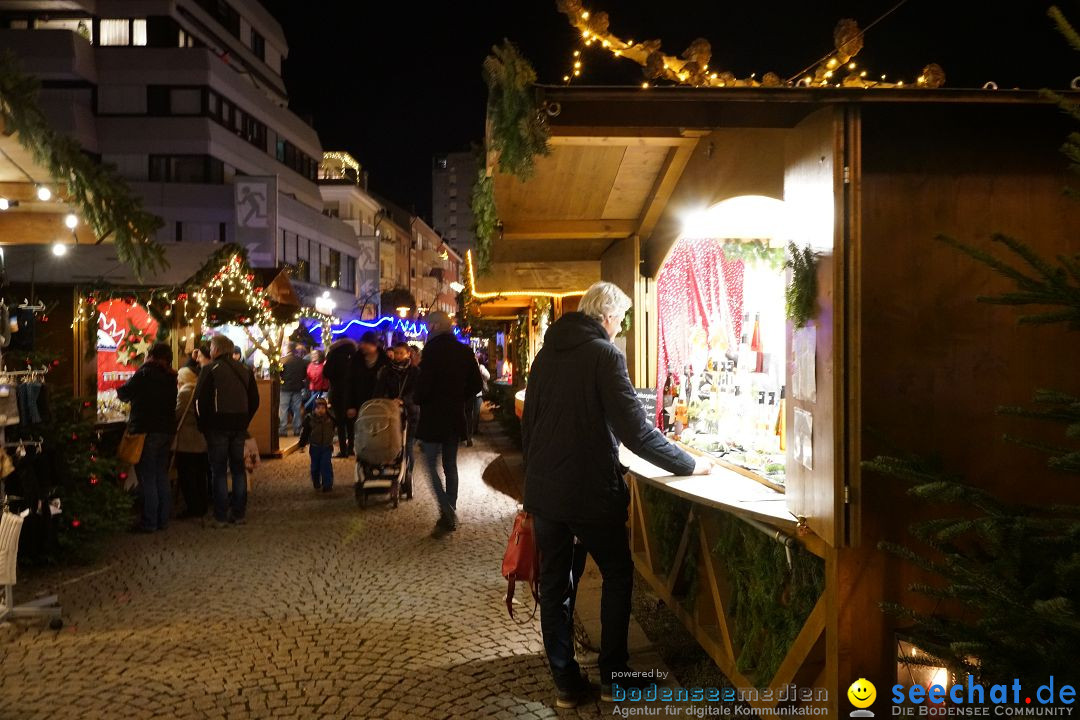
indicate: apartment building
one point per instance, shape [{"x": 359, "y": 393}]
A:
[
  {"x": 452, "y": 178},
  {"x": 187, "y": 99}
]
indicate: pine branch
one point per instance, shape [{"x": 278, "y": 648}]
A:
[{"x": 1064, "y": 27}]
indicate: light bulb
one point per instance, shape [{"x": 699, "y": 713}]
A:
[
  {"x": 44, "y": 194},
  {"x": 584, "y": 14},
  {"x": 851, "y": 66},
  {"x": 4, "y": 204},
  {"x": 72, "y": 221},
  {"x": 59, "y": 249},
  {"x": 644, "y": 85}
]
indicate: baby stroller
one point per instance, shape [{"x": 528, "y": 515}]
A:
[{"x": 381, "y": 467}]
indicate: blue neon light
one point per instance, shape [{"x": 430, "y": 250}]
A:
[{"x": 410, "y": 328}]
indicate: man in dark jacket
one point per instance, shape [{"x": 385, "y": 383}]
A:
[
  {"x": 152, "y": 394},
  {"x": 226, "y": 399},
  {"x": 579, "y": 406},
  {"x": 366, "y": 364},
  {"x": 449, "y": 377},
  {"x": 293, "y": 382},
  {"x": 336, "y": 370}
]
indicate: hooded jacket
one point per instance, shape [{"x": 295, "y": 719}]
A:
[
  {"x": 337, "y": 369},
  {"x": 579, "y": 405},
  {"x": 449, "y": 376}
]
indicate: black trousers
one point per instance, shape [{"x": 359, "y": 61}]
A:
[
  {"x": 193, "y": 472},
  {"x": 345, "y": 424},
  {"x": 561, "y": 564}
]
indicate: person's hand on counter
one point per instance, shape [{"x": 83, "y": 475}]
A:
[{"x": 703, "y": 465}]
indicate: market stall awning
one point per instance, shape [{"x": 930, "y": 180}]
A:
[
  {"x": 508, "y": 288},
  {"x": 89, "y": 264},
  {"x": 596, "y": 187}
]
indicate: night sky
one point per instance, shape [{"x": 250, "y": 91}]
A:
[{"x": 394, "y": 82}]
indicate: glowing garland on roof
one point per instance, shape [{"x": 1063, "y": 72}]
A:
[
  {"x": 836, "y": 69},
  {"x": 512, "y": 293}
]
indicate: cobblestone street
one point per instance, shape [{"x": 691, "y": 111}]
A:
[{"x": 314, "y": 609}]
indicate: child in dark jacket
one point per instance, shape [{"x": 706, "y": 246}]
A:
[{"x": 318, "y": 430}]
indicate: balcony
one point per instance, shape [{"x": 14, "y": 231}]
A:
[{"x": 52, "y": 54}]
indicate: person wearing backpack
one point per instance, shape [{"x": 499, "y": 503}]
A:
[{"x": 226, "y": 399}]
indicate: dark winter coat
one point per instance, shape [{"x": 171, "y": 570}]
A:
[
  {"x": 318, "y": 431},
  {"x": 226, "y": 397},
  {"x": 152, "y": 394},
  {"x": 337, "y": 369},
  {"x": 579, "y": 405},
  {"x": 449, "y": 376},
  {"x": 396, "y": 382},
  {"x": 362, "y": 378},
  {"x": 294, "y": 373}
]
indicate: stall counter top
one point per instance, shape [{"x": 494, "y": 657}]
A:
[{"x": 724, "y": 489}]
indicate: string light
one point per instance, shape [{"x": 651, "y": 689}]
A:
[{"x": 512, "y": 293}]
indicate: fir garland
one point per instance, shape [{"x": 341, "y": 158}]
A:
[
  {"x": 518, "y": 131},
  {"x": 801, "y": 294},
  {"x": 754, "y": 252},
  {"x": 485, "y": 219},
  {"x": 104, "y": 199}
]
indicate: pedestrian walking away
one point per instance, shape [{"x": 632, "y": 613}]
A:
[
  {"x": 152, "y": 394},
  {"x": 318, "y": 430},
  {"x": 226, "y": 399},
  {"x": 579, "y": 405},
  {"x": 337, "y": 370},
  {"x": 449, "y": 378},
  {"x": 192, "y": 462},
  {"x": 293, "y": 381}
]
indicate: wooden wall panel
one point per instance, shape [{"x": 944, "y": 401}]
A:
[
  {"x": 619, "y": 265},
  {"x": 811, "y": 188}
]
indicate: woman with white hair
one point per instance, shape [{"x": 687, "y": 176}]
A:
[{"x": 579, "y": 405}]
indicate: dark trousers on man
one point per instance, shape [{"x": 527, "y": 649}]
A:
[
  {"x": 193, "y": 472},
  {"x": 226, "y": 450},
  {"x": 345, "y": 424},
  {"x": 561, "y": 563},
  {"x": 445, "y": 496}
]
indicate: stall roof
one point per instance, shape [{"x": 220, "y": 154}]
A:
[
  {"x": 617, "y": 155},
  {"x": 86, "y": 264}
]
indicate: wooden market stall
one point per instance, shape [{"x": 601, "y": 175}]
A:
[{"x": 902, "y": 355}]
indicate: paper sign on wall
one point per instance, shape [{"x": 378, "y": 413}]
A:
[
  {"x": 803, "y": 438},
  {"x": 803, "y": 372}
]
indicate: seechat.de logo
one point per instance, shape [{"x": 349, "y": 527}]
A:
[{"x": 862, "y": 694}]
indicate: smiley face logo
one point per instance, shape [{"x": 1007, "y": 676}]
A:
[{"x": 862, "y": 693}]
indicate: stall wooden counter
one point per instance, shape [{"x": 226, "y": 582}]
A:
[{"x": 724, "y": 489}]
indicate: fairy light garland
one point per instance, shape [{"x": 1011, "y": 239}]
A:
[
  {"x": 200, "y": 304},
  {"x": 692, "y": 67}
]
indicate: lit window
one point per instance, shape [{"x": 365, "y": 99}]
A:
[
  {"x": 116, "y": 32},
  {"x": 139, "y": 33}
]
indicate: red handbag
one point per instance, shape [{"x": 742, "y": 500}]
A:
[{"x": 521, "y": 561}]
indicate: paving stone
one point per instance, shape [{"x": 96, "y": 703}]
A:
[{"x": 314, "y": 609}]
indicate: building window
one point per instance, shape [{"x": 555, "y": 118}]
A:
[
  {"x": 223, "y": 13},
  {"x": 348, "y": 278},
  {"x": 258, "y": 45},
  {"x": 80, "y": 26},
  {"x": 202, "y": 169},
  {"x": 138, "y": 33},
  {"x": 185, "y": 101},
  {"x": 115, "y": 32},
  {"x": 179, "y": 231},
  {"x": 222, "y": 233}
]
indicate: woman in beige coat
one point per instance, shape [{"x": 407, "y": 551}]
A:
[{"x": 192, "y": 465}]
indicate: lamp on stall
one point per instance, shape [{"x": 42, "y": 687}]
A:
[
  {"x": 457, "y": 287},
  {"x": 403, "y": 311},
  {"x": 916, "y": 667},
  {"x": 743, "y": 217}
]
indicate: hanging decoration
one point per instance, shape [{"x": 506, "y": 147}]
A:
[
  {"x": 485, "y": 219},
  {"x": 101, "y": 195},
  {"x": 517, "y": 131},
  {"x": 692, "y": 67},
  {"x": 801, "y": 294}
]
